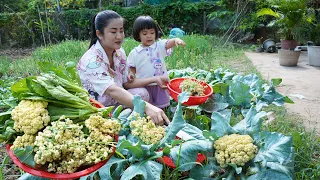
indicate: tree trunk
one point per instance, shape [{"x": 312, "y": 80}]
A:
[{"x": 100, "y": 5}]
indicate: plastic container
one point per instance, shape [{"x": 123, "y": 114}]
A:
[
  {"x": 41, "y": 173},
  {"x": 314, "y": 56},
  {"x": 269, "y": 46},
  {"x": 174, "y": 90}
]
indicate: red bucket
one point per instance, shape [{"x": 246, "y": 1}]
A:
[
  {"x": 41, "y": 173},
  {"x": 174, "y": 90}
]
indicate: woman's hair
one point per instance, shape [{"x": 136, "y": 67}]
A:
[
  {"x": 100, "y": 21},
  {"x": 141, "y": 23}
]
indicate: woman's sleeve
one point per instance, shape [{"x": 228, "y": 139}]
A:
[
  {"x": 101, "y": 82},
  {"x": 95, "y": 76},
  {"x": 130, "y": 59}
]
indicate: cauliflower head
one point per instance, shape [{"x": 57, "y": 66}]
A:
[
  {"x": 146, "y": 130},
  {"x": 23, "y": 141},
  {"x": 62, "y": 145},
  {"x": 30, "y": 116},
  {"x": 193, "y": 86},
  {"x": 100, "y": 141},
  {"x": 105, "y": 126},
  {"x": 236, "y": 149}
]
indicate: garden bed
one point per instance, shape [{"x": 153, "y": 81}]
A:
[{"x": 201, "y": 53}]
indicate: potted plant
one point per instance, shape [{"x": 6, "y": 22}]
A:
[
  {"x": 314, "y": 36},
  {"x": 289, "y": 14}
]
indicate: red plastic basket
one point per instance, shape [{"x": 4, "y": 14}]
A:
[
  {"x": 174, "y": 90},
  {"x": 45, "y": 174}
]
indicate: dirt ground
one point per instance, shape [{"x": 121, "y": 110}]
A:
[{"x": 300, "y": 83}]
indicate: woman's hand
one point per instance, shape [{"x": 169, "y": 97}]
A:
[
  {"x": 156, "y": 114},
  {"x": 162, "y": 81}
]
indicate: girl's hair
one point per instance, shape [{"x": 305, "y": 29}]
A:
[
  {"x": 141, "y": 23},
  {"x": 100, "y": 21}
]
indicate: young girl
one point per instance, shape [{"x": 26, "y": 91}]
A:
[
  {"x": 147, "y": 60},
  {"x": 102, "y": 68}
]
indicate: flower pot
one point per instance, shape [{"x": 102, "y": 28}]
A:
[
  {"x": 288, "y": 57},
  {"x": 288, "y": 44},
  {"x": 314, "y": 55},
  {"x": 269, "y": 46}
]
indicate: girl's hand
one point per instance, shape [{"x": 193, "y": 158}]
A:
[
  {"x": 131, "y": 74},
  {"x": 162, "y": 81},
  {"x": 130, "y": 77},
  {"x": 178, "y": 41},
  {"x": 156, "y": 114}
]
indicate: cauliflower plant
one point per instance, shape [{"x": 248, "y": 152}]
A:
[
  {"x": 146, "y": 130},
  {"x": 30, "y": 116},
  {"x": 236, "y": 149}
]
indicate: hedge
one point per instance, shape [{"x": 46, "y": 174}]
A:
[{"x": 26, "y": 29}]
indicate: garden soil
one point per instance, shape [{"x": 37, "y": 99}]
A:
[{"x": 300, "y": 83}]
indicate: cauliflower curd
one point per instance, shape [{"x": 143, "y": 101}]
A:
[
  {"x": 30, "y": 116},
  {"x": 193, "y": 86},
  {"x": 23, "y": 141},
  {"x": 146, "y": 130},
  {"x": 100, "y": 139},
  {"x": 236, "y": 149}
]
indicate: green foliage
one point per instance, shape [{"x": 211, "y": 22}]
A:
[
  {"x": 289, "y": 14},
  {"x": 75, "y": 24},
  {"x": 13, "y": 5},
  {"x": 25, "y": 155},
  {"x": 305, "y": 142},
  {"x": 238, "y": 15}
]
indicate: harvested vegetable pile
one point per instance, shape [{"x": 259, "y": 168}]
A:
[
  {"x": 193, "y": 86},
  {"x": 57, "y": 126}
]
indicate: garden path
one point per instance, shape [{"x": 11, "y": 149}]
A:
[{"x": 300, "y": 83}]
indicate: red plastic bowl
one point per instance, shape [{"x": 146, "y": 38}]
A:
[
  {"x": 45, "y": 174},
  {"x": 174, "y": 90}
]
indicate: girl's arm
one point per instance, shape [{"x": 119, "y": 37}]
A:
[
  {"x": 142, "y": 82},
  {"x": 124, "y": 97},
  {"x": 175, "y": 42}
]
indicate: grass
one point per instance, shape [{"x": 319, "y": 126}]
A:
[
  {"x": 200, "y": 52},
  {"x": 305, "y": 142}
]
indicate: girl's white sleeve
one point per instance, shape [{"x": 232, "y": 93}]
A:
[{"x": 163, "y": 50}]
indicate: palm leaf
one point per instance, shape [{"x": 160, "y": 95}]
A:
[{"x": 268, "y": 11}]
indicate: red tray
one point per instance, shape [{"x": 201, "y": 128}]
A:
[
  {"x": 174, "y": 90},
  {"x": 45, "y": 174}
]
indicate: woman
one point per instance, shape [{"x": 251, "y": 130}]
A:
[{"x": 102, "y": 69}]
